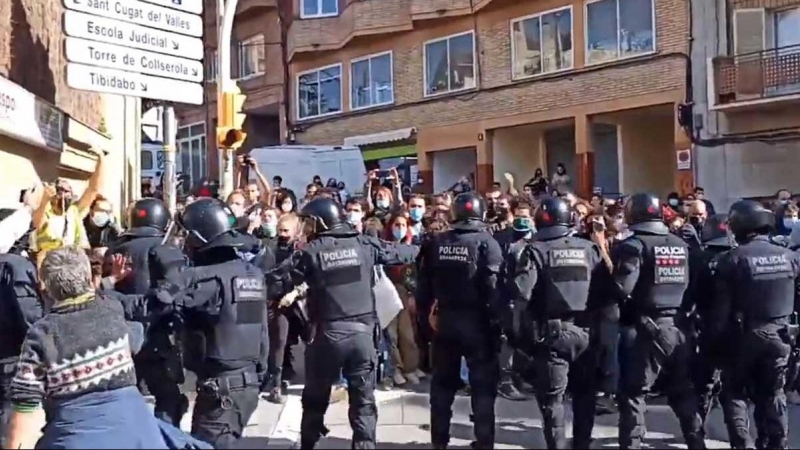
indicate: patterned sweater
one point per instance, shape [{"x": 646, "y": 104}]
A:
[{"x": 82, "y": 346}]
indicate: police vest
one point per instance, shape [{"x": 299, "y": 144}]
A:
[
  {"x": 767, "y": 287},
  {"x": 341, "y": 284},
  {"x": 664, "y": 273},
  {"x": 138, "y": 250},
  {"x": 455, "y": 257},
  {"x": 239, "y": 323},
  {"x": 563, "y": 286},
  {"x": 20, "y": 304}
]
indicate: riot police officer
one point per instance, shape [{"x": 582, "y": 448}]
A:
[
  {"x": 20, "y": 307},
  {"x": 651, "y": 272},
  {"x": 337, "y": 264},
  {"x": 551, "y": 281},
  {"x": 761, "y": 282},
  {"x": 158, "y": 364},
  {"x": 699, "y": 306},
  {"x": 223, "y": 300},
  {"x": 460, "y": 269}
]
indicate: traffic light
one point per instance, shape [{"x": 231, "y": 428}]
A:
[{"x": 231, "y": 120}]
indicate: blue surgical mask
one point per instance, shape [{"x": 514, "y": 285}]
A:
[
  {"x": 398, "y": 233},
  {"x": 270, "y": 229},
  {"x": 354, "y": 217},
  {"x": 789, "y": 223},
  {"x": 416, "y": 214},
  {"x": 673, "y": 202},
  {"x": 522, "y": 224},
  {"x": 382, "y": 203}
]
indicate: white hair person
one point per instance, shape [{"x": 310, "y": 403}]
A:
[{"x": 66, "y": 273}]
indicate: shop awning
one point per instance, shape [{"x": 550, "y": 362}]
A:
[
  {"x": 391, "y": 152},
  {"x": 379, "y": 138}
]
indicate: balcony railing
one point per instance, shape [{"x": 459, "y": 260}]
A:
[{"x": 755, "y": 76}]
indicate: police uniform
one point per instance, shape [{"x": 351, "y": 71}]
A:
[
  {"x": 460, "y": 269},
  {"x": 337, "y": 265},
  {"x": 158, "y": 364},
  {"x": 652, "y": 274},
  {"x": 20, "y": 307},
  {"x": 222, "y": 300},
  {"x": 552, "y": 281},
  {"x": 760, "y": 280}
]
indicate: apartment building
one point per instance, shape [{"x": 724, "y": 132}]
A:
[
  {"x": 483, "y": 87},
  {"x": 747, "y": 89},
  {"x": 256, "y": 64},
  {"x": 46, "y": 127}
]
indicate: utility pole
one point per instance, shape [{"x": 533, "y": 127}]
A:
[
  {"x": 169, "y": 177},
  {"x": 225, "y": 85}
]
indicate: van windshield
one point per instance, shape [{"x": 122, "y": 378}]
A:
[{"x": 147, "y": 160}]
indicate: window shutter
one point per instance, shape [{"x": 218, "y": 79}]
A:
[{"x": 749, "y": 30}]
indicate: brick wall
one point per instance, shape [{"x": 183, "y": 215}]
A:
[
  {"x": 499, "y": 95},
  {"x": 32, "y": 55}
]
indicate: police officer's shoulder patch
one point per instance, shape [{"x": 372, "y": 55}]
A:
[
  {"x": 769, "y": 265},
  {"x": 671, "y": 263},
  {"x": 249, "y": 289},
  {"x": 331, "y": 259},
  {"x": 568, "y": 257}
]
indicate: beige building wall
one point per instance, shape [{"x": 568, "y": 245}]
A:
[{"x": 519, "y": 151}]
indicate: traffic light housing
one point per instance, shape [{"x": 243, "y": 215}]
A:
[{"x": 230, "y": 134}]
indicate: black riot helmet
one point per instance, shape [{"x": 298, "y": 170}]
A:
[
  {"x": 149, "y": 213},
  {"x": 206, "y": 221},
  {"x": 715, "y": 231},
  {"x": 747, "y": 217},
  {"x": 324, "y": 216},
  {"x": 643, "y": 213},
  {"x": 468, "y": 206},
  {"x": 552, "y": 218}
]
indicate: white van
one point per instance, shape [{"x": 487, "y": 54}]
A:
[
  {"x": 298, "y": 164},
  {"x": 152, "y": 163}
]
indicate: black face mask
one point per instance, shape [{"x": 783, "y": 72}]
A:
[
  {"x": 501, "y": 212},
  {"x": 283, "y": 240},
  {"x": 696, "y": 222}
]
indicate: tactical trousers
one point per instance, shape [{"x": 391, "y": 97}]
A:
[
  {"x": 644, "y": 357},
  {"x": 464, "y": 335},
  {"x": 605, "y": 344},
  {"x": 706, "y": 369},
  {"x": 221, "y": 413},
  {"x": 759, "y": 368},
  {"x": 278, "y": 338},
  {"x": 559, "y": 362},
  {"x": 341, "y": 349},
  {"x": 163, "y": 378},
  {"x": 5, "y": 401}
]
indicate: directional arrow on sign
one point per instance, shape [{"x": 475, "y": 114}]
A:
[
  {"x": 98, "y": 79},
  {"x": 144, "y": 87}
]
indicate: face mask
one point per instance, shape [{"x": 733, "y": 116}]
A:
[
  {"x": 784, "y": 201},
  {"x": 382, "y": 203},
  {"x": 354, "y": 217},
  {"x": 399, "y": 233},
  {"x": 501, "y": 211},
  {"x": 522, "y": 224},
  {"x": 283, "y": 240},
  {"x": 790, "y": 223},
  {"x": 100, "y": 219},
  {"x": 695, "y": 221},
  {"x": 673, "y": 202},
  {"x": 286, "y": 207},
  {"x": 270, "y": 229},
  {"x": 416, "y": 214}
]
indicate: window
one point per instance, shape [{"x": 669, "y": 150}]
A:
[
  {"x": 191, "y": 145},
  {"x": 252, "y": 57},
  {"x": 211, "y": 66},
  {"x": 542, "y": 43},
  {"x": 449, "y": 64},
  {"x": 619, "y": 29},
  {"x": 787, "y": 29},
  {"x": 371, "y": 81},
  {"x": 319, "y": 93},
  {"x": 319, "y": 8},
  {"x": 147, "y": 160}
]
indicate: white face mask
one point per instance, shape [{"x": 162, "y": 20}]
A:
[
  {"x": 286, "y": 207},
  {"x": 100, "y": 219}
]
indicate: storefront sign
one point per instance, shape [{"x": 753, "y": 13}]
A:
[{"x": 29, "y": 119}]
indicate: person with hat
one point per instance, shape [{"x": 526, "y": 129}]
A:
[
  {"x": 651, "y": 275},
  {"x": 337, "y": 265},
  {"x": 457, "y": 287},
  {"x": 550, "y": 285}
]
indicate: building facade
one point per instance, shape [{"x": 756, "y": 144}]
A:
[
  {"x": 257, "y": 65},
  {"x": 478, "y": 88},
  {"x": 747, "y": 91},
  {"x": 46, "y": 127}
]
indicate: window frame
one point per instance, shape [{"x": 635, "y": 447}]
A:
[
  {"x": 212, "y": 67},
  {"x": 586, "y": 62},
  {"x": 540, "y": 15},
  {"x": 244, "y": 44},
  {"x": 425, "y": 63},
  {"x": 203, "y": 138},
  {"x": 297, "y": 91},
  {"x": 369, "y": 58},
  {"x": 320, "y": 14}
]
